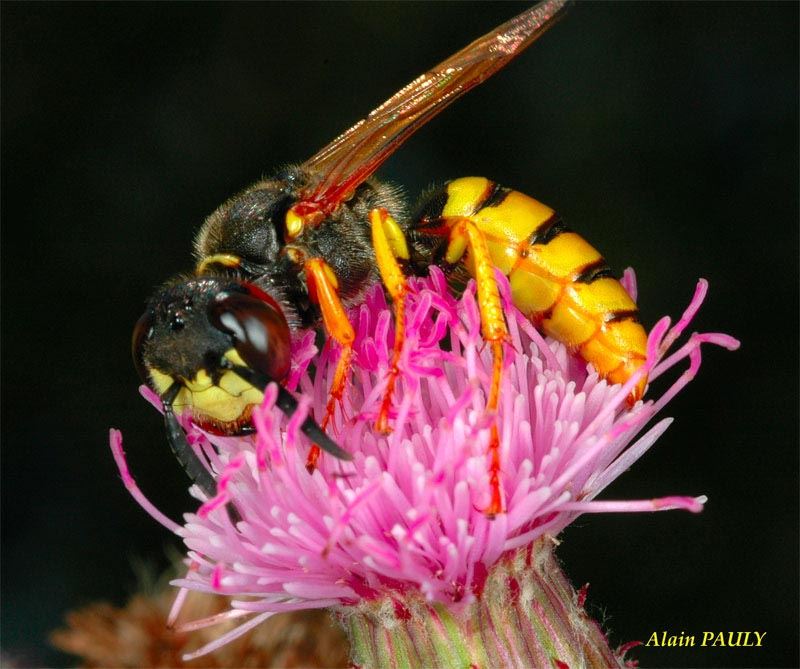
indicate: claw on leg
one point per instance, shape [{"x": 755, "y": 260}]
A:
[{"x": 313, "y": 456}]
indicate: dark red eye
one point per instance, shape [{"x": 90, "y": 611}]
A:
[
  {"x": 142, "y": 331},
  {"x": 259, "y": 330}
]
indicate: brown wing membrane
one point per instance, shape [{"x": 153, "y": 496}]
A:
[{"x": 356, "y": 154}]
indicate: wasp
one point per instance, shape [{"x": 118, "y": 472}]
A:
[{"x": 296, "y": 250}]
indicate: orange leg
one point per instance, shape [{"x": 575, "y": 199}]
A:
[
  {"x": 322, "y": 289},
  {"x": 465, "y": 235},
  {"x": 340, "y": 377},
  {"x": 389, "y": 244}
]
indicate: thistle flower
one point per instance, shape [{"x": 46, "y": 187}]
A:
[{"x": 398, "y": 537}]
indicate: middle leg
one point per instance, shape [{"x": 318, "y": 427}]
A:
[{"x": 389, "y": 244}]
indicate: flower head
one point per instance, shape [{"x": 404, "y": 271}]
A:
[{"x": 407, "y": 514}]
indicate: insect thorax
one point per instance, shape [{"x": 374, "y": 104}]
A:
[{"x": 251, "y": 226}]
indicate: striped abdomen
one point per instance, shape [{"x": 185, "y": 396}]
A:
[{"x": 557, "y": 279}]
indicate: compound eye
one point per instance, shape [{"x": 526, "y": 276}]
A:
[
  {"x": 142, "y": 332},
  {"x": 259, "y": 330}
]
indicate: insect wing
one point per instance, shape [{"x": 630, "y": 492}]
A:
[{"x": 353, "y": 156}]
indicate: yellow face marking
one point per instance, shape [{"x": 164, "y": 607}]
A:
[
  {"x": 224, "y": 402},
  {"x": 219, "y": 403},
  {"x": 201, "y": 381},
  {"x": 161, "y": 381}
]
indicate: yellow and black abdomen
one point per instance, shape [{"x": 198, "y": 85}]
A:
[{"x": 557, "y": 278}]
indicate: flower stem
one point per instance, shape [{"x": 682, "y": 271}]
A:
[{"x": 528, "y": 615}]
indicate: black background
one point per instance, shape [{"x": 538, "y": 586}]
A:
[{"x": 666, "y": 133}]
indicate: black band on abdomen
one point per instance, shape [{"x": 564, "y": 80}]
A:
[
  {"x": 596, "y": 270},
  {"x": 548, "y": 231}
]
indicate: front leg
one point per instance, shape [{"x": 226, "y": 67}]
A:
[{"x": 323, "y": 290}]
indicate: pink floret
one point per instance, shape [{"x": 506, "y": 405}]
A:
[{"x": 407, "y": 512}]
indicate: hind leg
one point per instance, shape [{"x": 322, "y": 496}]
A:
[{"x": 465, "y": 236}]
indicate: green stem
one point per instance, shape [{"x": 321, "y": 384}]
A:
[{"x": 528, "y": 615}]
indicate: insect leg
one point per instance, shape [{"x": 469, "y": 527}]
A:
[
  {"x": 464, "y": 235},
  {"x": 323, "y": 289},
  {"x": 389, "y": 244}
]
